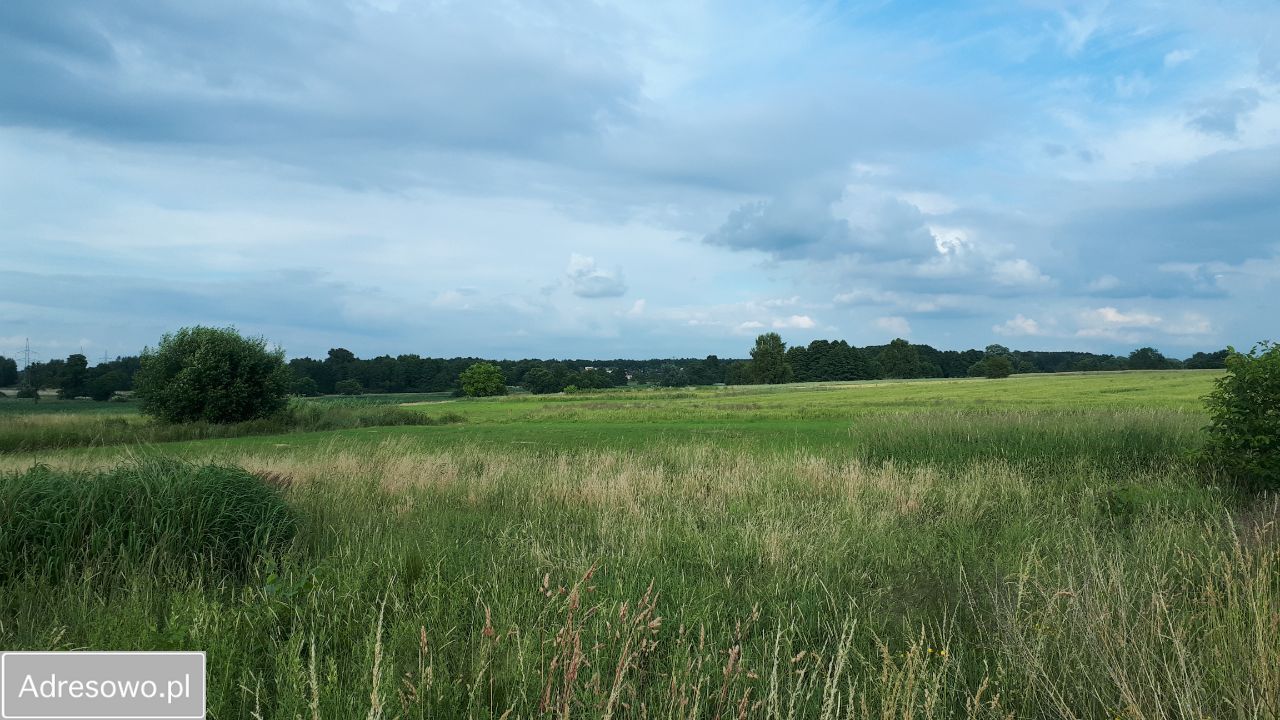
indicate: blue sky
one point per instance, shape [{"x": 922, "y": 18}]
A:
[{"x": 595, "y": 179}]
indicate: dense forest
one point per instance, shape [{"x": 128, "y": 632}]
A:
[{"x": 342, "y": 372}]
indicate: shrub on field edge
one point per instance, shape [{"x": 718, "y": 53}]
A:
[
  {"x": 166, "y": 513},
  {"x": 213, "y": 375},
  {"x": 28, "y": 393},
  {"x": 1244, "y": 409}
]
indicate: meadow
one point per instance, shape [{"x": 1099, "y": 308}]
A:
[{"x": 1039, "y": 546}]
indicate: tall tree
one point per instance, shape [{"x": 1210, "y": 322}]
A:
[
  {"x": 74, "y": 375},
  {"x": 8, "y": 371},
  {"x": 900, "y": 360},
  {"x": 769, "y": 361}
]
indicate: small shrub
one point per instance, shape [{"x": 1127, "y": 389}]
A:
[
  {"x": 164, "y": 513},
  {"x": 28, "y": 393},
  {"x": 1244, "y": 429}
]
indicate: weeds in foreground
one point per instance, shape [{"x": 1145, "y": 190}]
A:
[{"x": 687, "y": 580}]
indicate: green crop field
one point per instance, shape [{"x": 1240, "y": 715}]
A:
[{"x": 1038, "y": 546}]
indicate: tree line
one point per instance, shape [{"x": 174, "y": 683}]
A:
[{"x": 340, "y": 371}]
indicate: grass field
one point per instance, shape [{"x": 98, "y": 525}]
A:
[{"x": 1041, "y": 546}]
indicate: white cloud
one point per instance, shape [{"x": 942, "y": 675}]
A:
[
  {"x": 589, "y": 281},
  {"x": 795, "y": 321},
  {"x": 782, "y": 302},
  {"x": 1018, "y": 326},
  {"x": 895, "y": 324},
  {"x": 1112, "y": 324},
  {"x": 1018, "y": 272},
  {"x": 637, "y": 308}
]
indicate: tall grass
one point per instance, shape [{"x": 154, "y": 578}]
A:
[
  {"x": 152, "y": 516},
  {"x": 693, "y": 580}
]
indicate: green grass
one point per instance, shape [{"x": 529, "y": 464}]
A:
[
  {"x": 49, "y": 405},
  {"x": 1030, "y": 548},
  {"x": 39, "y": 431}
]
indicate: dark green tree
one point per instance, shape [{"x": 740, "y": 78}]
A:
[
  {"x": 74, "y": 376},
  {"x": 672, "y": 376},
  {"x": 768, "y": 364},
  {"x": 997, "y": 366},
  {"x": 107, "y": 384},
  {"x": 1202, "y": 361},
  {"x": 541, "y": 381},
  {"x": 213, "y": 375},
  {"x": 483, "y": 380},
  {"x": 8, "y": 372},
  {"x": 1147, "y": 358},
  {"x": 738, "y": 373},
  {"x": 304, "y": 386},
  {"x": 900, "y": 360}
]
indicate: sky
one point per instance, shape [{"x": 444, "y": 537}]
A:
[{"x": 570, "y": 178}]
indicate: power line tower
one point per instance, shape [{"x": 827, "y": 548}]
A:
[{"x": 26, "y": 362}]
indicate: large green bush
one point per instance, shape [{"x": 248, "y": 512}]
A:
[
  {"x": 212, "y": 375},
  {"x": 1244, "y": 433},
  {"x": 162, "y": 514},
  {"x": 483, "y": 379}
]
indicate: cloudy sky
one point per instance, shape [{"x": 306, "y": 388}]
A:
[{"x": 597, "y": 179}]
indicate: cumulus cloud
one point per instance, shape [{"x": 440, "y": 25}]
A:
[
  {"x": 802, "y": 322},
  {"x": 588, "y": 280},
  {"x": 1017, "y": 326}
]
